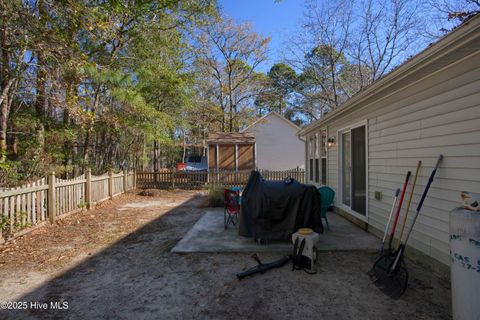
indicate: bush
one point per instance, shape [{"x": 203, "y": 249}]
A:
[{"x": 215, "y": 196}]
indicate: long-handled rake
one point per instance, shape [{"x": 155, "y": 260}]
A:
[
  {"x": 385, "y": 233},
  {"x": 407, "y": 209},
  {"x": 394, "y": 226},
  {"x": 391, "y": 276},
  {"x": 397, "y": 215}
]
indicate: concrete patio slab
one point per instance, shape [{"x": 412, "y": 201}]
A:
[{"x": 209, "y": 235}]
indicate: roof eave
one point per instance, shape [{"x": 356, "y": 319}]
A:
[
  {"x": 401, "y": 71},
  {"x": 268, "y": 114}
]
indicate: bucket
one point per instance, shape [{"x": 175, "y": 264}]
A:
[{"x": 465, "y": 263}]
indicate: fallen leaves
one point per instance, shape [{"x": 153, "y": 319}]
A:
[{"x": 53, "y": 246}]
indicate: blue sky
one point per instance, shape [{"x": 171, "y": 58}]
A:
[
  {"x": 280, "y": 20},
  {"x": 275, "y": 20}
]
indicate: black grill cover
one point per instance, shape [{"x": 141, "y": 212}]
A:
[{"x": 273, "y": 210}]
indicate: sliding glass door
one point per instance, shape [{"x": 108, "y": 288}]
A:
[
  {"x": 354, "y": 169},
  {"x": 359, "y": 171},
  {"x": 347, "y": 168}
]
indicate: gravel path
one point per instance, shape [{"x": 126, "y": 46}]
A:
[{"x": 114, "y": 262}]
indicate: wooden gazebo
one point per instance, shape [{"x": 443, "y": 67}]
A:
[{"x": 231, "y": 151}]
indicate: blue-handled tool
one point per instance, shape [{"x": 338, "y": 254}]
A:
[{"x": 390, "y": 274}]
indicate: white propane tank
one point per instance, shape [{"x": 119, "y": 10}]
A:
[{"x": 465, "y": 263}]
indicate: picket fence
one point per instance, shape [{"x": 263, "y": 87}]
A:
[
  {"x": 23, "y": 208},
  {"x": 26, "y": 207},
  {"x": 195, "y": 180}
]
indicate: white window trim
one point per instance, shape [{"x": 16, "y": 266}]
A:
[
  {"x": 317, "y": 134},
  {"x": 324, "y": 129},
  {"x": 311, "y": 144},
  {"x": 341, "y": 205},
  {"x": 316, "y": 158}
]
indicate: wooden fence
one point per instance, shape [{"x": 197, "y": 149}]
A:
[
  {"x": 49, "y": 199},
  {"x": 23, "y": 208},
  {"x": 197, "y": 180}
]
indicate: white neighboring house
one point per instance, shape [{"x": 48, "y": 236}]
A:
[{"x": 278, "y": 146}]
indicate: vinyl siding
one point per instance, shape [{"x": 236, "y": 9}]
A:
[
  {"x": 439, "y": 114},
  {"x": 278, "y": 146}
]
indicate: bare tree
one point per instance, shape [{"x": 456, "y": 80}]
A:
[
  {"x": 329, "y": 24},
  {"x": 386, "y": 35},
  {"x": 319, "y": 52},
  {"x": 344, "y": 46},
  {"x": 13, "y": 62},
  {"x": 231, "y": 54},
  {"x": 444, "y": 15}
]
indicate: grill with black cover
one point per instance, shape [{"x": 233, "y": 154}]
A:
[{"x": 273, "y": 210}]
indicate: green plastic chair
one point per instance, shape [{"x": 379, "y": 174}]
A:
[{"x": 326, "y": 200}]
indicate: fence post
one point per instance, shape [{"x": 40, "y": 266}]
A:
[
  {"x": 3, "y": 206},
  {"x": 88, "y": 188},
  {"x": 173, "y": 179},
  {"x": 110, "y": 184},
  {"x": 125, "y": 175},
  {"x": 51, "y": 197},
  {"x": 134, "y": 178}
]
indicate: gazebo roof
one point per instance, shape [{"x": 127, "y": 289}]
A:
[{"x": 230, "y": 137}]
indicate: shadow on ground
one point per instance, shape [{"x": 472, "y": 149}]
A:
[{"x": 139, "y": 278}]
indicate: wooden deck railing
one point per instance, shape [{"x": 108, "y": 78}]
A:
[
  {"x": 25, "y": 207},
  {"x": 197, "y": 180}
]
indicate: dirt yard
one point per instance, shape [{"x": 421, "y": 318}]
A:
[{"x": 114, "y": 262}]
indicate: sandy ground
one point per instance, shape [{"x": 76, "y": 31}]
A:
[{"x": 114, "y": 262}]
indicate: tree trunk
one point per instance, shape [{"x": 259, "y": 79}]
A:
[
  {"x": 12, "y": 146},
  {"x": 3, "y": 129},
  {"x": 40, "y": 102},
  {"x": 41, "y": 89},
  {"x": 156, "y": 156},
  {"x": 41, "y": 140},
  {"x": 70, "y": 98},
  {"x": 87, "y": 134},
  {"x": 4, "y": 113},
  {"x": 5, "y": 84},
  {"x": 334, "y": 82},
  {"x": 184, "y": 147},
  {"x": 76, "y": 168}
]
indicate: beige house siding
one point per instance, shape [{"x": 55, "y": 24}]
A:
[
  {"x": 438, "y": 114},
  {"x": 278, "y": 146}
]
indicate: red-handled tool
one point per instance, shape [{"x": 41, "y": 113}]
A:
[{"x": 399, "y": 208}]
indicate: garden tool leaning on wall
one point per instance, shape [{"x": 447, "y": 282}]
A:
[{"x": 390, "y": 273}]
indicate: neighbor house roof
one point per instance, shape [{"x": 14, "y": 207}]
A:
[
  {"x": 230, "y": 137},
  {"x": 272, "y": 113},
  {"x": 453, "y": 47}
]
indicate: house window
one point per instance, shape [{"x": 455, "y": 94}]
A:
[
  {"x": 323, "y": 148},
  {"x": 311, "y": 156},
  {"x": 324, "y": 171},
  {"x": 317, "y": 156},
  {"x": 311, "y": 170}
]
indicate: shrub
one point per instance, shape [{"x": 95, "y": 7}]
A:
[
  {"x": 4, "y": 223},
  {"x": 215, "y": 196}
]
